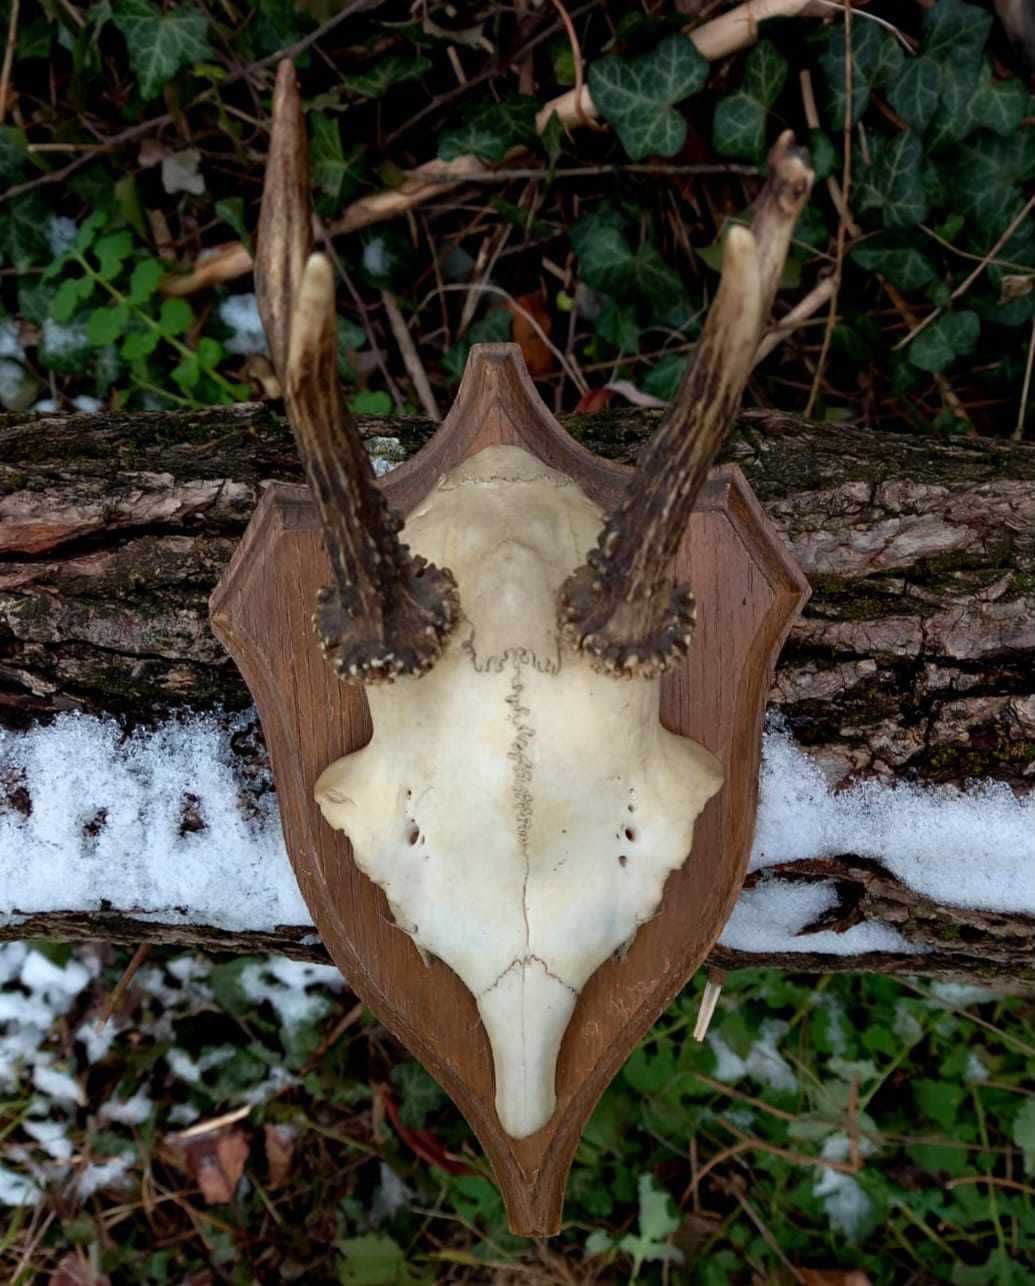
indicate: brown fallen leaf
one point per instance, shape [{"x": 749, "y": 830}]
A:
[
  {"x": 595, "y": 400},
  {"x": 530, "y": 311},
  {"x": 213, "y": 1153},
  {"x": 280, "y": 1149},
  {"x": 225, "y": 262}
]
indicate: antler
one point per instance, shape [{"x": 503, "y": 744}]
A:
[
  {"x": 621, "y": 606},
  {"x": 388, "y": 612}
]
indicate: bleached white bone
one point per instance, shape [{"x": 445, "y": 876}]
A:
[{"x": 520, "y": 810}]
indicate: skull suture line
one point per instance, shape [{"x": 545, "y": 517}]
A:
[{"x": 519, "y": 803}]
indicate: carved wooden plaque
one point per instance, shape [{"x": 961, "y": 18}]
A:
[{"x": 748, "y": 592}]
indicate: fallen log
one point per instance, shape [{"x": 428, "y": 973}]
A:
[{"x": 911, "y": 666}]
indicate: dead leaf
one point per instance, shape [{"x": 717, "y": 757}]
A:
[
  {"x": 280, "y": 1148},
  {"x": 427, "y": 1146},
  {"x": 180, "y": 172},
  {"x": 213, "y": 1153},
  {"x": 76, "y": 1271},
  {"x": 529, "y": 311},
  {"x": 228, "y": 260},
  {"x": 628, "y": 390},
  {"x": 595, "y": 400}
]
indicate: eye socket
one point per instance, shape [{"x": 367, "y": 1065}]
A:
[{"x": 630, "y": 833}]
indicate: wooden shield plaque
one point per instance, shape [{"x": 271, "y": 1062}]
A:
[{"x": 748, "y": 592}]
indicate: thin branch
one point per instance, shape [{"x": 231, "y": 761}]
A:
[
  {"x": 842, "y": 225},
  {"x": 965, "y": 285},
  {"x": 5, "y": 74},
  {"x": 410, "y": 356},
  {"x": 1018, "y": 432}
]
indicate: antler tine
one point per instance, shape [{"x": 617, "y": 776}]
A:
[
  {"x": 621, "y": 606},
  {"x": 388, "y": 612},
  {"x": 285, "y": 220}
]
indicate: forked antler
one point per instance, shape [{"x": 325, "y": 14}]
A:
[
  {"x": 388, "y": 612},
  {"x": 621, "y": 606}
]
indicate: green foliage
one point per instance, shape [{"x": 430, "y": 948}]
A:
[
  {"x": 491, "y": 130},
  {"x": 161, "y": 41},
  {"x": 740, "y": 119},
  {"x": 639, "y": 96}
]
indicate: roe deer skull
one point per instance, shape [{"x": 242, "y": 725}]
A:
[{"x": 519, "y": 803}]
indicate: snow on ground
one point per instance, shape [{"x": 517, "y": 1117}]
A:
[{"x": 964, "y": 848}]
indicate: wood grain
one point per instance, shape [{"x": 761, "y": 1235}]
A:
[{"x": 748, "y": 591}]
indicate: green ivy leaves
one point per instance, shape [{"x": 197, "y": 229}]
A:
[
  {"x": 610, "y": 265},
  {"x": 949, "y": 336},
  {"x": 491, "y": 131},
  {"x": 739, "y": 126},
  {"x": 893, "y": 181},
  {"x": 638, "y": 96},
  {"x": 160, "y": 43}
]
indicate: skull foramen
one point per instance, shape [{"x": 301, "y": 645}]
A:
[{"x": 520, "y": 803}]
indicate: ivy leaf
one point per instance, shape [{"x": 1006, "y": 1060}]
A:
[
  {"x": 985, "y": 184},
  {"x": 335, "y": 169},
  {"x": 824, "y": 157},
  {"x": 896, "y": 258},
  {"x": 175, "y": 316},
  {"x": 664, "y": 377},
  {"x": 638, "y": 96},
  {"x": 419, "y": 1093},
  {"x": 739, "y": 127},
  {"x": 950, "y": 336},
  {"x": 956, "y": 32},
  {"x": 393, "y": 70},
  {"x": 603, "y": 250},
  {"x": 23, "y": 240},
  {"x": 160, "y": 43},
  {"x": 494, "y": 328},
  {"x": 619, "y": 324},
  {"x": 1000, "y": 105},
  {"x": 954, "y": 118},
  {"x": 492, "y": 130},
  {"x": 917, "y": 91},
  {"x": 105, "y": 325},
  {"x": 553, "y": 138},
  {"x": 866, "y": 55},
  {"x": 765, "y": 73},
  {"x": 13, "y": 152},
  {"x": 893, "y": 181},
  {"x": 373, "y": 1260}
]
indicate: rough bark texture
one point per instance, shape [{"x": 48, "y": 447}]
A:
[{"x": 913, "y": 661}]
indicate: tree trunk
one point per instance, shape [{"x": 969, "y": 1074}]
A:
[{"x": 913, "y": 661}]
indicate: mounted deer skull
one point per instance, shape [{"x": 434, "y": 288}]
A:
[{"x": 520, "y": 803}]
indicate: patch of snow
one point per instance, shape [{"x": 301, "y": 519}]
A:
[
  {"x": 906, "y": 1025},
  {"x": 284, "y": 984},
  {"x": 61, "y": 1086},
  {"x": 976, "y": 1069},
  {"x": 973, "y": 848},
  {"x": 16, "y": 1189},
  {"x": 96, "y": 1040},
  {"x": 61, "y": 233},
  {"x": 961, "y": 994},
  {"x": 240, "y": 313},
  {"x": 16, "y": 385},
  {"x": 279, "y": 1079},
  {"x": 128, "y": 1111},
  {"x": 185, "y": 1068},
  {"x": 10, "y": 342},
  {"x": 769, "y": 918},
  {"x": 182, "y": 1114},
  {"x": 846, "y": 1203},
  {"x": 375, "y": 257},
  {"x": 84, "y": 402},
  {"x": 764, "y": 1062},
  {"x": 59, "y": 339},
  {"x": 390, "y": 1196},
  {"x": 52, "y": 1136},
  {"x": 234, "y": 874},
  {"x": 46, "y": 406},
  {"x": 111, "y": 1173}
]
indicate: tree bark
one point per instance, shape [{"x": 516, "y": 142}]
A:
[{"x": 913, "y": 660}]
